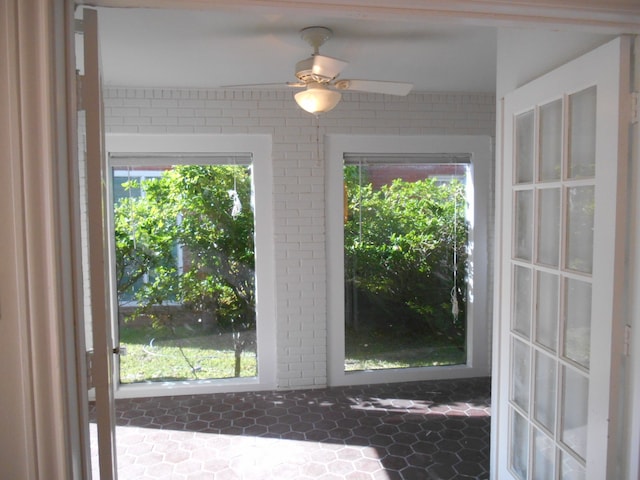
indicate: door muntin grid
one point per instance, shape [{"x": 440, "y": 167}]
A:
[{"x": 553, "y": 188}]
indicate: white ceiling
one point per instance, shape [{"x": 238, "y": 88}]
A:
[{"x": 209, "y": 49}]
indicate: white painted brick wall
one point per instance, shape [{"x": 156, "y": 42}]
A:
[{"x": 298, "y": 178}]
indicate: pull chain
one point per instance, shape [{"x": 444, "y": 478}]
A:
[
  {"x": 236, "y": 209},
  {"x": 318, "y": 162},
  {"x": 455, "y": 309},
  {"x": 132, "y": 209}
]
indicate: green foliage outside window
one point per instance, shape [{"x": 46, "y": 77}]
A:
[
  {"x": 399, "y": 252},
  {"x": 196, "y": 207}
]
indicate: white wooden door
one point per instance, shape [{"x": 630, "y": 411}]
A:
[
  {"x": 102, "y": 365},
  {"x": 563, "y": 179}
]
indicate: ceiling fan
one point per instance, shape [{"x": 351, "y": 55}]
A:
[{"x": 318, "y": 75}]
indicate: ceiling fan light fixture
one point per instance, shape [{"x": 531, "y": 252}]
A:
[{"x": 317, "y": 99}]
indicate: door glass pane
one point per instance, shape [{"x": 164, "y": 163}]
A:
[
  {"x": 577, "y": 321},
  {"x": 550, "y": 141},
  {"x": 575, "y": 402},
  {"x": 546, "y": 326},
  {"x": 523, "y": 225},
  {"x": 405, "y": 256},
  {"x": 185, "y": 275},
  {"x": 580, "y": 210},
  {"x": 543, "y": 456},
  {"x": 549, "y": 226},
  {"x": 544, "y": 410},
  {"x": 570, "y": 468},
  {"x": 519, "y": 445},
  {"x": 522, "y": 300},
  {"x": 582, "y": 134},
  {"x": 524, "y": 147},
  {"x": 520, "y": 367}
]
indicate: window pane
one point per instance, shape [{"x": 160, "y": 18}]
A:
[
  {"x": 580, "y": 210},
  {"x": 519, "y": 445},
  {"x": 549, "y": 208},
  {"x": 570, "y": 468},
  {"x": 582, "y": 134},
  {"x": 521, "y": 365},
  {"x": 547, "y": 294},
  {"x": 524, "y": 147},
  {"x": 575, "y": 403},
  {"x": 577, "y": 321},
  {"x": 405, "y": 257},
  {"x": 545, "y": 390},
  {"x": 522, "y": 300},
  {"x": 523, "y": 247},
  {"x": 543, "y": 456},
  {"x": 550, "y": 141},
  {"x": 126, "y": 190},
  {"x": 184, "y": 250}
]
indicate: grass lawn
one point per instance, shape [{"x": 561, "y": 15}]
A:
[
  {"x": 156, "y": 356},
  {"x": 366, "y": 351}
]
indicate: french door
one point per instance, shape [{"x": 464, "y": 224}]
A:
[
  {"x": 563, "y": 180},
  {"x": 99, "y": 340}
]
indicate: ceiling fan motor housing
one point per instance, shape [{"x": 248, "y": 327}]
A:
[{"x": 304, "y": 72}]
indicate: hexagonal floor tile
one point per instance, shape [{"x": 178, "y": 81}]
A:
[{"x": 417, "y": 430}]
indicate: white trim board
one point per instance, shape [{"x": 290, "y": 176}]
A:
[
  {"x": 478, "y": 347},
  {"x": 605, "y": 16},
  {"x": 259, "y": 147}
]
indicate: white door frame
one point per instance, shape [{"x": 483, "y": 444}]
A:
[
  {"x": 632, "y": 436},
  {"x": 53, "y": 38}
]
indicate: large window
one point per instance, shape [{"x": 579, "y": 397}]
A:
[
  {"x": 405, "y": 260},
  {"x": 185, "y": 270},
  {"x": 408, "y": 258},
  {"x": 191, "y": 263}
]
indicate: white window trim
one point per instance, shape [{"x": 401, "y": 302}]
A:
[
  {"x": 479, "y": 324},
  {"x": 259, "y": 148}
]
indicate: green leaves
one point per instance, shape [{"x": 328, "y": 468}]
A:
[
  {"x": 187, "y": 212},
  {"x": 399, "y": 248}
]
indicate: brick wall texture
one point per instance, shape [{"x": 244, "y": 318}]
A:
[{"x": 298, "y": 184}]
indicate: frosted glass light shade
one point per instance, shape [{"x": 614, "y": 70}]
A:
[{"x": 317, "y": 99}]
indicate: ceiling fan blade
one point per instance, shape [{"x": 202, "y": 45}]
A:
[
  {"x": 373, "y": 86},
  {"x": 327, "y": 66},
  {"x": 259, "y": 86}
]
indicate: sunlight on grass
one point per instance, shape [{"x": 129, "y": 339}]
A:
[
  {"x": 159, "y": 356},
  {"x": 200, "y": 357},
  {"x": 425, "y": 357},
  {"x": 374, "y": 352}
]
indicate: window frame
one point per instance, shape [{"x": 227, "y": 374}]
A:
[
  {"x": 193, "y": 148},
  {"x": 478, "y": 316}
]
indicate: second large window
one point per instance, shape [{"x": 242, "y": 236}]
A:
[{"x": 406, "y": 237}]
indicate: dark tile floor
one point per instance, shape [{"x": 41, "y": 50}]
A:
[{"x": 417, "y": 430}]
